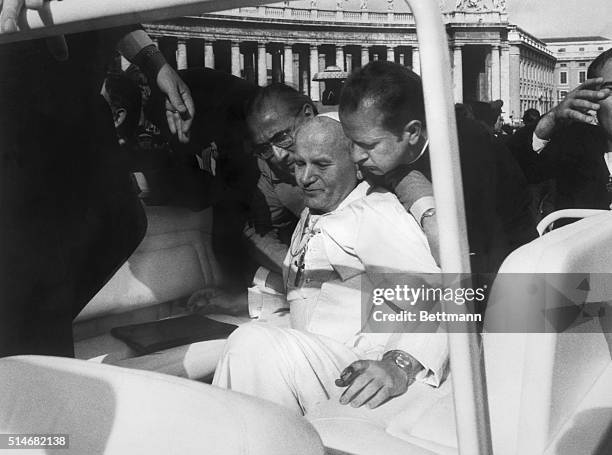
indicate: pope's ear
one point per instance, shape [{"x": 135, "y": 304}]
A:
[
  {"x": 412, "y": 132},
  {"x": 308, "y": 111}
]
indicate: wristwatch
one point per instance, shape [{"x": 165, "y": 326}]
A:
[
  {"x": 426, "y": 214},
  {"x": 404, "y": 362}
]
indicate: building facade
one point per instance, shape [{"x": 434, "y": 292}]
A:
[
  {"x": 292, "y": 41},
  {"x": 574, "y": 55}
]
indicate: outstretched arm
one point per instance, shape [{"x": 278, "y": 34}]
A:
[
  {"x": 137, "y": 47},
  {"x": 574, "y": 107}
]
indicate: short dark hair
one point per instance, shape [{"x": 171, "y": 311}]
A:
[
  {"x": 596, "y": 65},
  {"x": 123, "y": 93},
  {"x": 293, "y": 99},
  {"x": 531, "y": 116},
  {"x": 394, "y": 90},
  {"x": 485, "y": 112}
]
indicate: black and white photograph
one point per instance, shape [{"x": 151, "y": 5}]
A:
[{"x": 311, "y": 227}]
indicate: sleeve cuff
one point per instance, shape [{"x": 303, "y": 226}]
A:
[
  {"x": 150, "y": 60},
  {"x": 538, "y": 144},
  {"x": 131, "y": 44},
  {"x": 421, "y": 206},
  {"x": 430, "y": 349},
  {"x": 261, "y": 275}
]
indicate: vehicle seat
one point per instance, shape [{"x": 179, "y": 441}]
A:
[
  {"x": 421, "y": 421},
  {"x": 110, "y": 410},
  {"x": 174, "y": 260},
  {"x": 550, "y": 392}
]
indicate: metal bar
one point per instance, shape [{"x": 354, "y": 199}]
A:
[
  {"x": 469, "y": 383},
  {"x": 74, "y": 16},
  {"x": 565, "y": 213}
]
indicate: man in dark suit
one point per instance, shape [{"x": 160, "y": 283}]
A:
[
  {"x": 382, "y": 112},
  {"x": 215, "y": 168},
  {"x": 572, "y": 143},
  {"x": 69, "y": 216}
]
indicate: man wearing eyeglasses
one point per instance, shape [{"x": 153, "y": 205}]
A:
[{"x": 273, "y": 116}]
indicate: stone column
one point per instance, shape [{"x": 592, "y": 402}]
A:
[
  {"x": 322, "y": 62},
  {"x": 262, "y": 69},
  {"x": 458, "y": 73},
  {"x": 390, "y": 54},
  {"x": 340, "y": 63},
  {"x": 416, "y": 60},
  {"x": 365, "y": 55},
  {"x": 505, "y": 78},
  {"x": 288, "y": 64},
  {"x": 495, "y": 73},
  {"x": 181, "y": 54},
  {"x": 516, "y": 72},
  {"x": 314, "y": 68},
  {"x": 277, "y": 72},
  {"x": 235, "y": 58},
  {"x": 209, "y": 55}
]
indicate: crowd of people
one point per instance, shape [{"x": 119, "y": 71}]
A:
[{"x": 315, "y": 206}]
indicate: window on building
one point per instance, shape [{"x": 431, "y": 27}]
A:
[
  {"x": 563, "y": 77},
  {"x": 581, "y": 64},
  {"x": 581, "y": 49},
  {"x": 562, "y": 94},
  {"x": 561, "y": 49},
  {"x": 563, "y": 65},
  {"x": 581, "y": 76},
  {"x": 600, "y": 48}
]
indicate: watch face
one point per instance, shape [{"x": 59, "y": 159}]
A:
[{"x": 402, "y": 362}]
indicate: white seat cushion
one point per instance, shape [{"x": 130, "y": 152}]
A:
[{"x": 112, "y": 410}]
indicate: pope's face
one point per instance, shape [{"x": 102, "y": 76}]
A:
[{"x": 324, "y": 171}]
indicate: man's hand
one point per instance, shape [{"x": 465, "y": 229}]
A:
[
  {"x": 180, "y": 108},
  {"x": 11, "y": 9},
  {"x": 10, "y": 13},
  {"x": 574, "y": 107},
  {"x": 372, "y": 382}
]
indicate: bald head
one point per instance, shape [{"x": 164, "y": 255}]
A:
[
  {"x": 323, "y": 132},
  {"x": 323, "y": 166}
]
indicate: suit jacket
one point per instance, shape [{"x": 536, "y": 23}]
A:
[
  {"x": 69, "y": 216},
  {"x": 497, "y": 200},
  {"x": 574, "y": 158}
]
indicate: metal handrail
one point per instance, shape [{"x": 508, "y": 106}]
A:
[
  {"x": 473, "y": 430},
  {"x": 469, "y": 383},
  {"x": 549, "y": 219},
  {"x": 74, "y": 16}
]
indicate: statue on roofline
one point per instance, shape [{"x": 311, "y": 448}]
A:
[
  {"x": 471, "y": 5},
  {"x": 499, "y": 5}
]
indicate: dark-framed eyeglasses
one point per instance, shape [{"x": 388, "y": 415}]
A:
[{"x": 283, "y": 139}]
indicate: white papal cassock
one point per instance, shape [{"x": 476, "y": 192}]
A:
[{"x": 333, "y": 259}]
